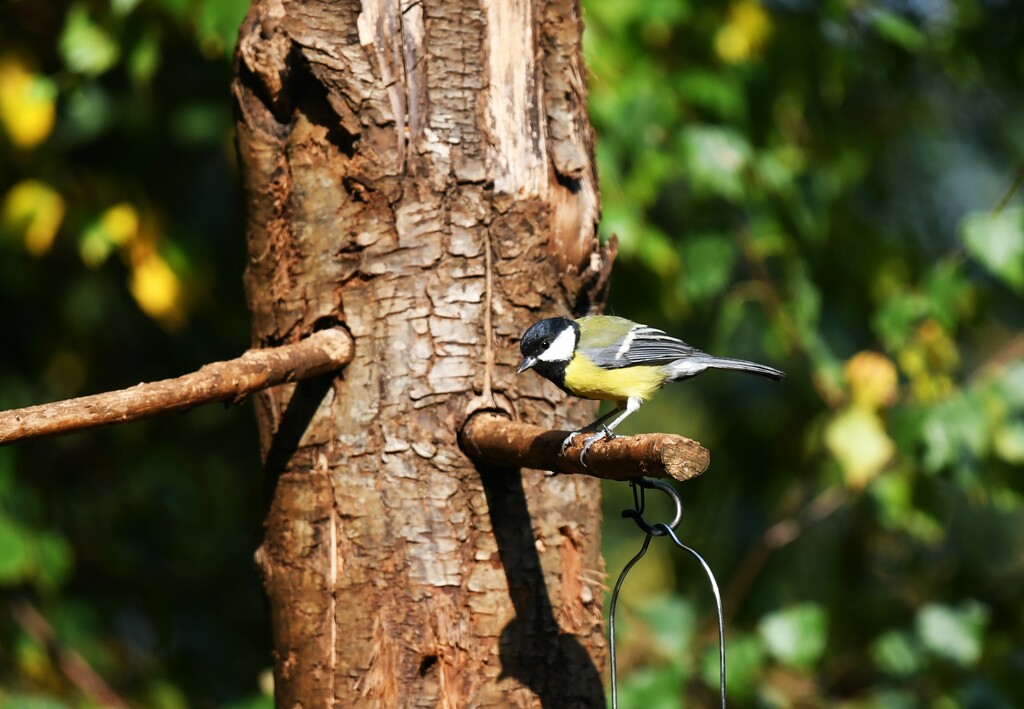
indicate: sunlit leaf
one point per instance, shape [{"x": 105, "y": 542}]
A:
[
  {"x": 858, "y": 440},
  {"x": 27, "y": 102},
  {"x": 796, "y": 635},
  {"x": 953, "y": 633},
  {"x": 156, "y": 287},
  {"x": 86, "y": 47},
  {"x": 997, "y": 241},
  {"x": 744, "y": 33},
  {"x": 35, "y": 211},
  {"x": 872, "y": 379},
  {"x": 1008, "y": 442}
]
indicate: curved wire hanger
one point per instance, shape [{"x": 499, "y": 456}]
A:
[{"x": 661, "y": 529}]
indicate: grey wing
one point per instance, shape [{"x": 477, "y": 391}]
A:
[{"x": 642, "y": 345}]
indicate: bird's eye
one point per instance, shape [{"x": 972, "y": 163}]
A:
[{"x": 545, "y": 343}]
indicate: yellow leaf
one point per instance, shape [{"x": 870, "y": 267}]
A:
[
  {"x": 155, "y": 287},
  {"x": 34, "y": 210},
  {"x": 858, "y": 440},
  {"x": 872, "y": 379},
  {"x": 744, "y": 33},
  {"x": 120, "y": 224},
  {"x": 27, "y": 105},
  {"x": 928, "y": 360}
]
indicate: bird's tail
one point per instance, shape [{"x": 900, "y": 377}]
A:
[
  {"x": 691, "y": 366},
  {"x": 741, "y": 365}
]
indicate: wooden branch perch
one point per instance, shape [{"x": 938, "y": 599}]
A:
[
  {"x": 495, "y": 440},
  {"x": 233, "y": 380}
]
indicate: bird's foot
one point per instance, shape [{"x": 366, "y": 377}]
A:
[
  {"x": 570, "y": 438},
  {"x": 604, "y": 435}
]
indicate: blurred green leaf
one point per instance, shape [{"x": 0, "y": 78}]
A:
[
  {"x": 955, "y": 428},
  {"x": 895, "y": 319},
  {"x": 898, "y": 653},
  {"x": 17, "y": 560},
  {"x": 219, "y": 21},
  {"x": 672, "y": 623},
  {"x": 955, "y": 634},
  {"x": 260, "y": 701},
  {"x": 897, "y": 30},
  {"x": 1011, "y": 385},
  {"x": 197, "y": 123},
  {"x": 717, "y": 93},
  {"x": 85, "y": 46},
  {"x": 1008, "y": 442},
  {"x": 714, "y": 159},
  {"x": 997, "y": 241},
  {"x": 653, "y": 689},
  {"x": 796, "y": 635},
  {"x": 708, "y": 261},
  {"x": 145, "y": 57},
  {"x": 31, "y": 701},
  {"x": 164, "y": 695},
  {"x": 89, "y": 112},
  {"x": 744, "y": 659},
  {"x": 950, "y": 294},
  {"x": 55, "y": 560},
  {"x": 894, "y": 699}
]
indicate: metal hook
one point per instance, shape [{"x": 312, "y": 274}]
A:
[
  {"x": 639, "y": 503},
  {"x": 660, "y": 529}
]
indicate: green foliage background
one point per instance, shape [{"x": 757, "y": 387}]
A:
[{"x": 829, "y": 187}]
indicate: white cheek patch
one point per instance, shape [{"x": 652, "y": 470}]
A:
[{"x": 561, "y": 349}]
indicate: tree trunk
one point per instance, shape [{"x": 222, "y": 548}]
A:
[{"x": 420, "y": 173}]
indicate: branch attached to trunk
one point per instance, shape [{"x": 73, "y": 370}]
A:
[
  {"x": 229, "y": 381},
  {"x": 492, "y": 439}
]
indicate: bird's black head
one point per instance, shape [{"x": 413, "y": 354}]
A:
[{"x": 548, "y": 342}]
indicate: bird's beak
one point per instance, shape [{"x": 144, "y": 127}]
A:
[{"x": 527, "y": 363}]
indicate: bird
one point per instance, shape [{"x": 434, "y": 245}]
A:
[{"x": 615, "y": 359}]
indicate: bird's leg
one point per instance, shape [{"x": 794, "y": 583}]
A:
[
  {"x": 632, "y": 404},
  {"x": 589, "y": 428}
]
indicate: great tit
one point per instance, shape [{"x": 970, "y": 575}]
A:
[{"x": 615, "y": 359}]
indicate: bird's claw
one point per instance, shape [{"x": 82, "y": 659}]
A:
[
  {"x": 604, "y": 435},
  {"x": 568, "y": 440}
]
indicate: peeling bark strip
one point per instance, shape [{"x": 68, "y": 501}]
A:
[
  {"x": 233, "y": 380},
  {"x": 494, "y": 440},
  {"x": 422, "y": 172}
]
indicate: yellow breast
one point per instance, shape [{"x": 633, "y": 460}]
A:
[{"x": 586, "y": 379}]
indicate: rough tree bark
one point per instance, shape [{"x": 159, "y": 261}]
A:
[{"x": 420, "y": 173}]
